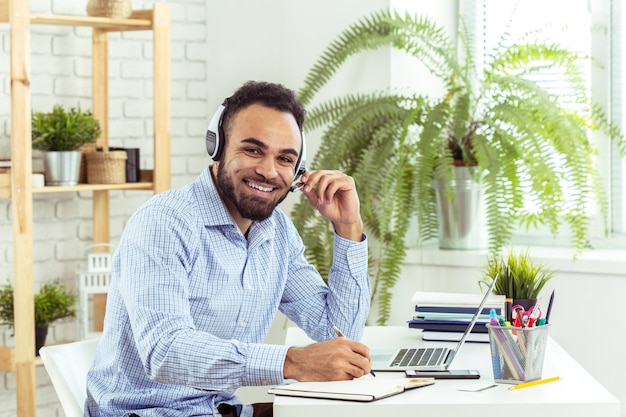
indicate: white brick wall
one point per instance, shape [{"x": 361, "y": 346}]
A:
[
  {"x": 215, "y": 46},
  {"x": 61, "y": 73}
]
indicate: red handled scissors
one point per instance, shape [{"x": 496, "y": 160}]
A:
[{"x": 525, "y": 318}]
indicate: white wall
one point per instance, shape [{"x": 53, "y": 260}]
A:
[
  {"x": 279, "y": 40},
  {"x": 217, "y": 45}
]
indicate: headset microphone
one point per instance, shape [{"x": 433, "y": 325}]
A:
[{"x": 298, "y": 185}]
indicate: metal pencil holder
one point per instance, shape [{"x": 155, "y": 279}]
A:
[{"x": 517, "y": 352}]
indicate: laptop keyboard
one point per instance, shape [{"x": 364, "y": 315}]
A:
[{"x": 418, "y": 357}]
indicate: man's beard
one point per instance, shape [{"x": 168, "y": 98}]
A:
[{"x": 252, "y": 208}]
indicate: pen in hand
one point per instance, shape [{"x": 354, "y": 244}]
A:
[{"x": 339, "y": 334}]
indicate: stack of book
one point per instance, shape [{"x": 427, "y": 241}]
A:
[{"x": 445, "y": 316}]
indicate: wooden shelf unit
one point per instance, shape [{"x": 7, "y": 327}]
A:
[
  {"x": 5, "y": 185},
  {"x": 16, "y": 182}
]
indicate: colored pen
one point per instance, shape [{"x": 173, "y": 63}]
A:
[
  {"x": 340, "y": 334},
  {"x": 493, "y": 317},
  {"x": 533, "y": 383},
  {"x": 497, "y": 368},
  {"x": 549, "y": 307}
]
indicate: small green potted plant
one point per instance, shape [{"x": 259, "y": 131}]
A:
[
  {"x": 53, "y": 302},
  {"x": 60, "y": 134},
  {"x": 519, "y": 277}
]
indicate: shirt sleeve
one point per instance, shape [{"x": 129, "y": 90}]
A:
[{"x": 343, "y": 301}]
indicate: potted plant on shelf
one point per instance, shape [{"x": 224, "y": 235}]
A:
[
  {"x": 517, "y": 276},
  {"x": 53, "y": 302},
  {"x": 492, "y": 130},
  {"x": 60, "y": 134}
]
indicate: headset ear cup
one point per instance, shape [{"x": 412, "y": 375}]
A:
[{"x": 214, "y": 134}]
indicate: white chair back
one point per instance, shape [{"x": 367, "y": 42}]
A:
[{"x": 67, "y": 365}]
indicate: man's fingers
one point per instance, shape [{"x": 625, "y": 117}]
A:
[{"x": 335, "y": 359}]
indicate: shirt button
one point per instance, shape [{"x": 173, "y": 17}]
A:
[
  {"x": 356, "y": 301},
  {"x": 242, "y": 323},
  {"x": 265, "y": 382},
  {"x": 248, "y": 287},
  {"x": 353, "y": 259}
]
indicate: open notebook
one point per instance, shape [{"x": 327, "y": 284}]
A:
[{"x": 362, "y": 389}]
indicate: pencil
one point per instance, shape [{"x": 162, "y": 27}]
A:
[
  {"x": 509, "y": 357},
  {"x": 537, "y": 382}
]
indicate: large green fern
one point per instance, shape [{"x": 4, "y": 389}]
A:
[{"x": 524, "y": 145}]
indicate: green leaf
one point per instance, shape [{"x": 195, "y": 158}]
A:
[
  {"x": 62, "y": 130},
  {"x": 524, "y": 145},
  {"x": 53, "y": 302}
]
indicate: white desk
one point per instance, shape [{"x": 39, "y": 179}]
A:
[{"x": 576, "y": 394}]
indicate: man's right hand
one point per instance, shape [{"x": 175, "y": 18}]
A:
[{"x": 335, "y": 359}]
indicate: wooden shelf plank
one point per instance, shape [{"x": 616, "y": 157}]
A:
[
  {"x": 7, "y": 358},
  {"x": 139, "y": 20},
  {"x": 5, "y": 183},
  {"x": 95, "y": 187},
  {"x": 94, "y": 22},
  {"x": 146, "y": 184}
]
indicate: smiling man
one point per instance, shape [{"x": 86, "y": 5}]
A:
[{"x": 200, "y": 273}]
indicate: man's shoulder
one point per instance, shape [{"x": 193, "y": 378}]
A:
[
  {"x": 170, "y": 204},
  {"x": 179, "y": 199}
]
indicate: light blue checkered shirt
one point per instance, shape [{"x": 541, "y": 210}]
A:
[{"x": 192, "y": 300}]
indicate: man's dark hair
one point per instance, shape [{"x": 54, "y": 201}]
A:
[{"x": 272, "y": 95}]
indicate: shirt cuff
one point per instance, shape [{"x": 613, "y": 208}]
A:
[
  {"x": 265, "y": 365},
  {"x": 351, "y": 253}
]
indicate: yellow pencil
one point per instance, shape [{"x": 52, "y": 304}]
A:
[{"x": 537, "y": 382}]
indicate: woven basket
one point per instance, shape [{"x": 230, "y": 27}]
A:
[
  {"x": 115, "y": 9},
  {"x": 106, "y": 167}
]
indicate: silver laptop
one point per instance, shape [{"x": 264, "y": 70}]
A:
[{"x": 431, "y": 358}]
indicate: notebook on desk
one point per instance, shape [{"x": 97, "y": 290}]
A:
[
  {"x": 431, "y": 358},
  {"x": 361, "y": 389}
]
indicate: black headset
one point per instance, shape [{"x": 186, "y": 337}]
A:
[{"x": 215, "y": 141}]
